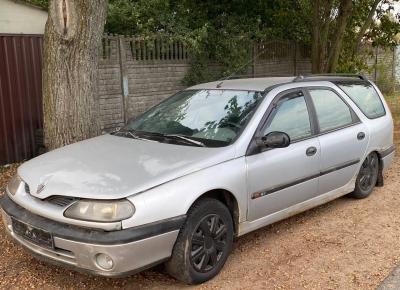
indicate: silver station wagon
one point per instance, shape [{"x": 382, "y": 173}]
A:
[{"x": 211, "y": 163}]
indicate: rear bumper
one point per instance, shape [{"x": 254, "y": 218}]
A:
[
  {"x": 131, "y": 250},
  {"x": 387, "y": 157}
]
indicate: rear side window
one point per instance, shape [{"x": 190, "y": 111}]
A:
[
  {"x": 332, "y": 111},
  {"x": 365, "y": 97}
]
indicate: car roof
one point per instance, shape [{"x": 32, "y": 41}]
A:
[
  {"x": 251, "y": 84},
  {"x": 261, "y": 84}
]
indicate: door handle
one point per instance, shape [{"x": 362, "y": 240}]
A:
[
  {"x": 360, "y": 135},
  {"x": 311, "y": 151}
]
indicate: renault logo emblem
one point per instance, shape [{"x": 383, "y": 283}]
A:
[
  {"x": 40, "y": 188},
  {"x": 42, "y": 185}
]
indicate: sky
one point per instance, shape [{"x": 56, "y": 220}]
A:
[{"x": 397, "y": 7}]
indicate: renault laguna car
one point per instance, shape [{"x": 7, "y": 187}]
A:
[{"x": 213, "y": 162}]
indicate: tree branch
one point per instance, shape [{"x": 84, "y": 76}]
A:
[{"x": 365, "y": 26}]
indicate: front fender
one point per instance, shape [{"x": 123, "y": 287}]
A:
[{"x": 174, "y": 198}]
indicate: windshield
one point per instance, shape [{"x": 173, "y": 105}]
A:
[{"x": 214, "y": 117}]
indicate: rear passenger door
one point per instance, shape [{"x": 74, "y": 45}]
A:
[{"x": 342, "y": 136}]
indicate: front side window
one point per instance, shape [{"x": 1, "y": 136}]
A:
[
  {"x": 332, "y": 111},
  {"x": 365, "y": 97},
  {"x": 214, "y": 117},
  {"x": 291, "y": 117}
]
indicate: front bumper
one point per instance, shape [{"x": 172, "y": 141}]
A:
[{"x": 131, "y": 250}]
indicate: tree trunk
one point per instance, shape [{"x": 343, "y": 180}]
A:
[
  {"x": 324, "y": 43},
  {"x": 315, "y": 52},
  {"x": 315, "y": 38},
  {"x": 72, "y": 39},
  {"x": 345, "y": 10},
  {"x": 320, "y": 31},
  {"x": 365, "y": 26}
]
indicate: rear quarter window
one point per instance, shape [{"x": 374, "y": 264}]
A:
[{"x": 365, "y": 97}]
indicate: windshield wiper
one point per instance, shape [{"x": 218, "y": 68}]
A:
[
  {"x": 187, "y": 139},
  {"x": 128, "y": 133},
  {"x": 142, "y": 136},
  {"x": 175, "y": 137}
]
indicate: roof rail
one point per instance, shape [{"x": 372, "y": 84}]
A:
[{"x": 340, "y": 75}]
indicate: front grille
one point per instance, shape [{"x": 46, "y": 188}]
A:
[{"x": 59, "y": 200}]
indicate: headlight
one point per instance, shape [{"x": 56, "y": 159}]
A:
[
  {"x": 100, "y": 211},
  {"x": 14, "y": 184}
]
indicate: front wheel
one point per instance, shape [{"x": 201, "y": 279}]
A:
[
  {"x": 367, "y": 177},
  {"x": 203, "y": 244}
]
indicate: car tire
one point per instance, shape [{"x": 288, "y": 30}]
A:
[
  {"x": 367, "y": 177},
  {"x": 203, "y": 244}
]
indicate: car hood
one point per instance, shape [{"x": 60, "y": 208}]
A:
[{"x": 111, "y": 167}]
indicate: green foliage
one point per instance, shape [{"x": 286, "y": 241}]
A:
[
  {"x": 382, "y": 33},
  {"x": 139, "y": 17},
  {"x": 353, "y": 64},
  {"x": 223, "y": 32},
  {"x": 40, "y": 3},
  {"x": 218, "y": 32}
]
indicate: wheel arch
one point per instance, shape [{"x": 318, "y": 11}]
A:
[
  {"x": 379, "y": 182},
  {"x": 228, "y": 199}
]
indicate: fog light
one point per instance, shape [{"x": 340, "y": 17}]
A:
[{"x": 104, "y": 261}]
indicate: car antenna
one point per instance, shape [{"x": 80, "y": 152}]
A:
[{"x": 239, "y": 68}]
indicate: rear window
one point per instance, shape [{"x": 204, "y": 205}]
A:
[
  {"x": 332, "y": 112},
  {"x": 365, "y": 97}
]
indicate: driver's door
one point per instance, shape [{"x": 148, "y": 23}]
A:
[{"x": 282, "y": 177}]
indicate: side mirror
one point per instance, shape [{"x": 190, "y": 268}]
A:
[{"x": 274, "y": 140}]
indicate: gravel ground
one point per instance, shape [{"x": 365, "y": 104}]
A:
[{"x": 346, "y": 244}]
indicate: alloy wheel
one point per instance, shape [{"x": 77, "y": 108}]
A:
[
  {"x": 208, "y": 243},
  {"x": 369, "y": 169}
]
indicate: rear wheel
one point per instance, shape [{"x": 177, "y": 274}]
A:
[
  {"x": 367, "y": 177},
  {"x": 203, "y": 244}
]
